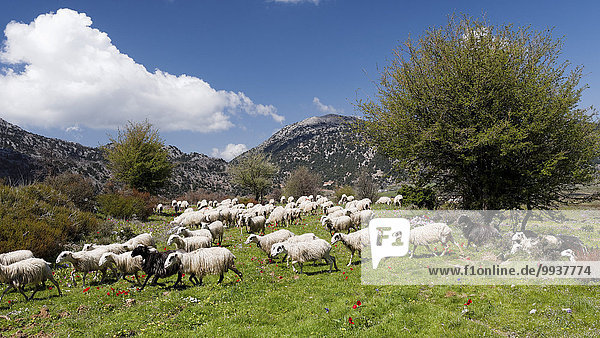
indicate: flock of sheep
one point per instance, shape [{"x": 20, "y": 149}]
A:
[{"x": 195, "y": 232}]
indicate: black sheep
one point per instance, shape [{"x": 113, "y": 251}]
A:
[
  {"x": 154, "y": 264},
  {"x": 477, "y": 234}
]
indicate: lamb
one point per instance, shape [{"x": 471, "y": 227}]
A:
[
  {"x": 124, "y": 263},
  {"x": 477, "y": 234},
  {"x": 343, "y": 199},
  {"x": 144, "y": 239},
  {"x": 185, "y": 232},
  {"x": 202, "y": 262},
  {"x": 216, "y": 229},
  {"x": 189, "y": 243},
  {"x": 277, "y": 216},
  {"x": 363, "y": 204},
  {"x": 429, "y": 234},
  {"x": 338, "y": 224},
  {"x": 355, "y": 241},
  {"x": 361, "y": 217},
  {"x": 153, "y": 264},
  {"x": 384, "y": 200},
  {"x": 282, "y": 199},
  {"x": 265, "y": 242},
  {"x": 256, "y": 224},
  {"x": 27, "y": 271},
  {"x": 159, "y": 209},
  {"x": 307, "y": 237},
  {"x": 84, "y": 262},
  {"x": 15, "y": 256},
  {"x": 305, "y": 251}
]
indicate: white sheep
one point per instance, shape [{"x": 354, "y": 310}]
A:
[
  {"x": 265, "y": 242},
  {"x": 114, "y": 248},
  {"x": 282, "y": 199},
  {"x": 27, "y": 271},
  {"x": 277, "y": 216},
  {"x": 361, "y": 217},
  {"x": 305, "y": 251},
  {"x": 15, "y": 256},
  {"x": 189, "y": 243},
  {"x": 398, "y": 200},
  {"x": 429, "y": 234},
  {"x": 216, "y": 229},
  {"x": 307, "y": 237},
  {"x": 124, "y": 263},
  {"x": 144, "y": 239},
  {"x": 355, "y": 241},
  {"x": 338, "y": 224},
  {"x": 202, "y": 262},
  {"x": 185, "y": 232},
  {"x": 84, "y": 262},
  {"x": 384, "y": 200},
  {"x": 256, "y": 224},
  {"x": 159, "y": 209}
]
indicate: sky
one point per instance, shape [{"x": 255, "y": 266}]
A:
[{"x": 220, "y": 76}]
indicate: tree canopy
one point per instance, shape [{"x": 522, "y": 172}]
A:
[
  {"x": 138, "y": 159},
  {"x": 302, "y": 181},
  {"x": 254, "y": 172},
  {"x": 486, "y": 113}
]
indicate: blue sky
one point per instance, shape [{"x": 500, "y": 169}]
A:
[{"x": 221, "y": 72}]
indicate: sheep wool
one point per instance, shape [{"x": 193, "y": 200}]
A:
[
  {"x": 189, "y": 243},
  {"x": 143, "y": 239},
  {"x": 355, "y": 241},
  {"x": 202, "y": 262},
  {"x": 124, "y": 263},
  {"x": 15, "y": 256},
  {"x": 429, "y": 234},
  {"x": 302, "y": 252},
  {"x": 24, "y": 272},
  {"x": 265, "y": 242}
]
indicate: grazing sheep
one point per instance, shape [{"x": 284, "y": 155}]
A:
[
  {"x": 84, "y": 262},
  {"x": 153, "y": 264},
  {"x": 522, "y": 243},
  {"x": 189, "y": 243},
  {"x": 159, "y": 209},
  {"x": 265, "y": 242},
  {"x": 429, "y": 234},
  {"x": 570, "y": 254},
  {"x": 124, "y": 263},
  {"x": 355, "y": 241},
  {"x": 15, "y": 256},
  {"x": 185, "y": 232},
  {"x": 282, "y": 199},
  {"x": 143, "y": 239},
  {"x": 27, "y": 271},
  {"x": 338, "y": 224},
  {"x": 361, "y": 217},
  {"x": 343, "y": 199},
  {"x": 398, "y": 200},
  {"x": 216, "y": 229},
  {"x": 384, "y": 200},
  {"x": 309, "y": 236},
  {"x": 477, "y": 234},
  {"x": 256, "y": 224},
  {"x": 305, "y": 251},
  {"x": 277, "y": 216},
  {"x": 211, "y": 261},
  {"x": 331, "y": 210}
]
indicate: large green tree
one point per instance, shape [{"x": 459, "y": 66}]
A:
[
  {"x": 302, "y": 181},
  {"x": 254, "y": 172},
  {"x": 487, "y": 113},
  {"x": 137, "y": 157}
]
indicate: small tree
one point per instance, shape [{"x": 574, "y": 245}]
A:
[
  {"x": 138, "y": 159},
  {"x": 79, "y": 189},
  {"x": 485, "y": 113},
  {"x": 254, "y": 172},
  {"x": 365, "y": 186},
  {"x": 302, "y": 182}
]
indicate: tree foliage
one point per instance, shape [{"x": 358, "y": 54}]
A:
[
  {"x": 486, "y": 113},
  {"x": 254, "y": 172},
  {"x": 365, "y": 187},
  {"x": 302, "y": 182},
  {"x": 138, "y": 159}
]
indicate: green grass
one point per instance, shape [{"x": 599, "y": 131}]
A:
[{"x": 274, "y": 301}]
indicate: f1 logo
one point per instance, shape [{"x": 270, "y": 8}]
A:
[{"x": 389, "y": 237}]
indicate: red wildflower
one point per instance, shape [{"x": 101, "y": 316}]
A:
[
  {"x": 354, "y": 306},
  {"x": 108, "y": 293},
  {"x": 97, "y": 288},
  {"x": 469, "y": 302},
  {"x": 86, "y": 289},
  {"x": 350, "y": 320},
  {"x": 358, "y": 303}
]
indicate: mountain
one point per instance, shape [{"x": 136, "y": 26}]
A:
[
  {"x": 26, "y": 157},
  {"x": 328, "y": 146}
]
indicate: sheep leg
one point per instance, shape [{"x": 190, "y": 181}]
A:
[
  {"x": 334, "y": 264},
  {"x": 73, "y": 278},
  {"x": 349, "y": 263},
  {"x": 413, "y": 251},
  {"x": 35, "y": 290},
  {"x": 179, "y": 275},
  {"x": 237, "y": 272},
  {"x": 428, "y": 248},
  {"x": 220, "y": 279},
  {"x": 55, "y": 283},
  {"x": 10, "y": 286},
  {"x": 146, "y": 281},
  {"x": 293, "y": 268}
]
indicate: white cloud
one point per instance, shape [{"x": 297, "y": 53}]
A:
[
  {"x": 73, "y": 129},
  {"x": 230, "y": 152},
  {"x": 325, "y": 108},
  {"x": 316, "y": 2},
  {"x": 60, "y": 72}
]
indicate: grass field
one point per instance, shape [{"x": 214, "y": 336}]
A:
[{"x": 273, "y": 301}]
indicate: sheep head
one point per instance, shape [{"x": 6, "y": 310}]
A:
[
  {"x": 277, "y": 249},
  {"x": 172, "y": 259},
  {"x": 251, "y": 238},
  {"x": 64, "y": 256},
  {"x": 106, "y": 258},
  {"x": 336, "y": 238},
  {"x": 140, "y": 250}
]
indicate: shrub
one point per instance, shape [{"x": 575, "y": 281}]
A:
[
  {"x": 126, "y": 204},
  {"x": 422, "y": 197},
  {"x": 346, "y": 189},
  {"x": 78, "y": 189},
  {"x": 365, "y": 186},
  {"x": 41, "y": 219},
  {"x": 302, "y": 182}
]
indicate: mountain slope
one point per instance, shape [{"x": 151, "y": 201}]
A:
[{"x": 326, "y": 145}]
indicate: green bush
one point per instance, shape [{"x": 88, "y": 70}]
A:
[
  {"x": 41, "y": 219},
  {"x": 345, "y": 189},
  {"x": 419, "y": 196},
  {"x": 78, "y": 189},
  {"x": 302, "y": 182},
  {"x": 126, "y": 204}
]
